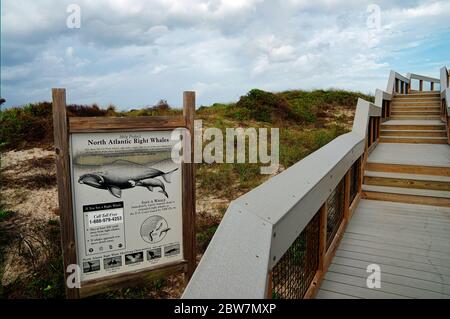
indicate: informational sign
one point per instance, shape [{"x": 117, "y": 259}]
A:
[{"x": 127, "y": 201}]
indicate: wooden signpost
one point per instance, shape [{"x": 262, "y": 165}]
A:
[{"x": 127, "y": 209}]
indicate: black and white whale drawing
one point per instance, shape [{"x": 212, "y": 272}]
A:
[
  {"x": 150, "y": 183},
  {"x": 122, "y": 174}
]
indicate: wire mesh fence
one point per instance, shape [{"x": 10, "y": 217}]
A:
[
  {"x": 335, "y": 211},
  {"x": 355, "y": 172},
  {"x": 295, "y": 271}
]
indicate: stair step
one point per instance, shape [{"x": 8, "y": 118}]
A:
[
  {"x": 407, "y": 191},
  {"x": 405, "y": 180},
  {"x": 415, "y": 97},
  {"x": 418, "y": 93},
  {"x": 423, "y": 133},
  {"x": 412, "y": 127},
  {"x": 416, "y": 108},
  {"x": 407, "y": 195},
  {"x": 435, "y": 104},
  {"x": 415, "y": 117},
  {"x": 415, "y": 140},
  {"x": 412, "y": 112},
  {"x": 408, "y": 169}
]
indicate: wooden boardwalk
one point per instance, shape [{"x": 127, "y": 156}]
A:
[
  {"x": 402, "y": 224},
  {"x": 410, "y": 243}
]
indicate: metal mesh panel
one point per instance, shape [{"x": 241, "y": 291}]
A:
[
  {"x": 355, "y": 171},
  {"x": 335, "y": 213},
  {"x": 294, "y": 272}
]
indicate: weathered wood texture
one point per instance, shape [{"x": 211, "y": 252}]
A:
[
  {"x": 130, "y": 124},
  {"x": 140, "y": 277},
  {"x": 64, "y": 184},
  {"x": 189, "y": 240}
]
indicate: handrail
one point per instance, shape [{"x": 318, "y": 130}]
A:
[
  {"x": 397, "y": 83},
  {"x": 259, "y": 227},
  {"x": 444, "y": 78},
  {"x": 445, "y": 99},
  {"x": 424, "y": 78}
]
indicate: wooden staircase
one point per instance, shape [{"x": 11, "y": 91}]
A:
[{"x": 415, "y": 120}]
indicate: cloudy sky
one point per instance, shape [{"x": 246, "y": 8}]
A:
[{"x": 133, "y": 52}]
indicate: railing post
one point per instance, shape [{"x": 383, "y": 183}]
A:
[
  {"x": 347, "y": 195},
  {"x": 378, "y": 127},
  {"x": 322, "y": 236},
  {"x": 269, "y": 286},
  {"x": 374, "y": 130},
  {"x": 189, "y": 239}
]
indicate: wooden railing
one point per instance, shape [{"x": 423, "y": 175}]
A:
[
  {"x": 432, "y": 82},
  {"x": 445, "y": 99},
  {"x": 383, "y": 100},
  {"x": 398, "y": 84},
  {"x": 278, "y": 240}
]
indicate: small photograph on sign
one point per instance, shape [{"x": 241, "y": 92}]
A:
[
  {"x": 154, "y": 229},
  {"x": 134, "y": 258},
  {"x": 112, "y": 262},
  {"x": 154, "y": 253},
  {"x": 91, "y": 266},
  {"x": 172, "y": 250}
]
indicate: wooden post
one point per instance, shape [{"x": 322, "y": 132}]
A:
[
  {"x": 189, "y": 242},
  {"x": 421, "y": 85},
  {"x": 322, "y": 236},
  {"x": 347, "y": 195},
  {"x": 378, "y": 127},
  {"x": 269, "y": 286},
  {"x": 389, "y": 109},
  {"x": 374, "y": 136},
  {"x": 64, "y": 185}
]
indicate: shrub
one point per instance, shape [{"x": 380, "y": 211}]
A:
[{"x": 263, "y": 106}]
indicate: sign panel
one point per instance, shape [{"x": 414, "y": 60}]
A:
[{"x": 127, "y": 201}]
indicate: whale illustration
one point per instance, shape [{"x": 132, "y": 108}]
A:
[{"x": 121, "y": 175}]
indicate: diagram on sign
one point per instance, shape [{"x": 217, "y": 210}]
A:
[
  {"x": 122, "y": 174},
  {"x": 154, "y": 229}
]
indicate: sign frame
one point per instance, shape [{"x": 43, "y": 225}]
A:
[{"x": 63, "y": 126}]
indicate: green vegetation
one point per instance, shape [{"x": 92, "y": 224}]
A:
[{"x": 4, "y": 214}]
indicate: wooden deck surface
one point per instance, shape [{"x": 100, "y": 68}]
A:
[
  {"x": 411, "y": 154},
  {"x": 411, "y": 244}
]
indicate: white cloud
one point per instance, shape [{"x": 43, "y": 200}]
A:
[
  {"x": 69, "y": 52},
  {"x": 159, "y": 68},
  {"x": 156, "y": 49}
]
